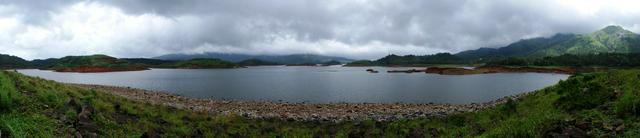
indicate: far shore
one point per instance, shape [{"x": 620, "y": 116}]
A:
[{"x": 332, "y": 112}]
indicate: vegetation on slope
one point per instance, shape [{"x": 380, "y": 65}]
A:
[
  {"x": 147, "y": 61},
  {"x": 611, "y": 39},
  {"x": 257, "y": 62},
  {"x": 92, "y": 63},
  {"x": 520, "y": 48},
  {"x": 12, "y": 62},
  {"x": 591, "y": 60},
  {"x": 596, "y": 104},
  {"x": 200, "y": 63},
  {"x": 328, "y": 63},
  {"x": 411, "y": 60}
]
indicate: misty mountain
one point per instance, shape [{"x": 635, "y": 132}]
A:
[
  {"x": 284, "y": 59},
  {"x": 611, "y": 39}
]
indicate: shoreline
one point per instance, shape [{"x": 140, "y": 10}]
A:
[{"x": 332, "y": 112}]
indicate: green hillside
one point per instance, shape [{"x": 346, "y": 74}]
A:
[
  {"x": 12, "y": 62},
  {"x": 411, "y": 60},
  {"x": 200, "y": 63},
  {"x": 148, "y": 61},
  {"x": 611, "y": 39},
  {"x": 605, "y": 104},
  {"x": 257, "y": 62},
  {"x": 603, "y": 60},
  {"x": 92, "y": 63}
]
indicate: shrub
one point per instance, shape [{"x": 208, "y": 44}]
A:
[
  {"x": 583, "y": 92},
  {"x": 7, "y": 92}
]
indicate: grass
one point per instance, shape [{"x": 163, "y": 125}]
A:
[{"x": 604, "y": 104}]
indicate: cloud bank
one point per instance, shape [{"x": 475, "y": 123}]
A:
[{"x": 361, "y": 29}]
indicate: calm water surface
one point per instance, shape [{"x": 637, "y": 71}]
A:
[{"x": 318, "y": 84}]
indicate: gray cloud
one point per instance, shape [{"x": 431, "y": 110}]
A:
[{"x": 356, "y": 29}]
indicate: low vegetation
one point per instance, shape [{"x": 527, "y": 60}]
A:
[{"x": 600, "y": 104}]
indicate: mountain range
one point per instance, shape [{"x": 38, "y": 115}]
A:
[
  {"x": 611, "y": 39},
  {"x": 282, "y": 59}
]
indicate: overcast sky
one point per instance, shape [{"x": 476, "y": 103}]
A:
[{"x": 360, "y": 29}]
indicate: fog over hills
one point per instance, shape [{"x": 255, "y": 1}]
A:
[{"x": 367, "y": 29}]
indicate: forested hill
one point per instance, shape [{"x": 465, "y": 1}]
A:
[
  {"x": 411, "y": 60},
  {"x": 11, "y": 62},
  {"x": 282, "y": 59},
  {"x": 611, "y": 39},
  {"x": 92, "y": 63}
]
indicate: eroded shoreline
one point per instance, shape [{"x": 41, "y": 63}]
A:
[{"x": 333, "y": 112}]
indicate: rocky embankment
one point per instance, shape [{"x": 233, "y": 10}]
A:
[{"x": 334, "y": 112}]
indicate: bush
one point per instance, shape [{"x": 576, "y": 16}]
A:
[
  {"x": 583, "y": 92},
  {"x": 629, "y": 102},
  {"x": 7, "y": 92},
  {"x": 509, "y": 107}
]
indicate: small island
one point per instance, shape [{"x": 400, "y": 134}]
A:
[{"x": 92, "y": 64}]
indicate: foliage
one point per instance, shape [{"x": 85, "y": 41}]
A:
[
  {"x": 361, "y": 63},
  {"x": 332, "y": 62},
  {"x": 11, "y": 62},
  {"x": 411, "y": 60},
  {"x": 584, "y": 92},
  {"x": 522, "y": 48},
  {"x": 7, "y": 93},
  {"x": 257, "y": 62},
  {"x": 611, "y": 39},
  {"x": 589, "y": 60},
  {"x": 92, "y": 61},
  {"x": 200, "y": 63},
  {"x": 147, "y": 61}
]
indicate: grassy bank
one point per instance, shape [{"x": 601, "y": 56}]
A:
[{"x": 596, "y": 104}]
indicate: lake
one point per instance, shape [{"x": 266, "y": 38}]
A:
[{"x": 331, "y": 84}]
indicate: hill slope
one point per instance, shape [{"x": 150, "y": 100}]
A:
[
  {"x": 12, "y": 62},
  {"x": 200, "y": 63},
  {"x": 411, "y": 60},
  {"x": 611, "y": 39},
  {"x": 605, "y": 104},
  {"x": 257, "y": 62}
]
